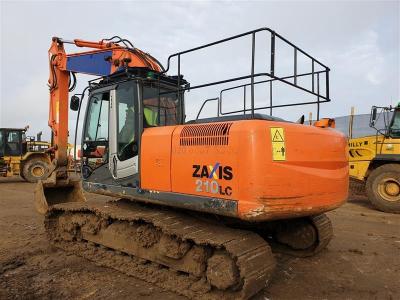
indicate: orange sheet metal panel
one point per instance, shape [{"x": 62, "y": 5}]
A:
[
  {"x": 204, "y": 161},
  {"x": 155, "y": 158},
  {"x": 310, "y": 179},
  {"x": 273, "y": 169}
]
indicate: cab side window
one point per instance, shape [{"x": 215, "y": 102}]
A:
[
  {"x": 160, "y": 110},
  {"x": 395, "y": 127}
]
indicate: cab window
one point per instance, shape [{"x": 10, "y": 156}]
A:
[
  {"x": 395, "y": 126},
  {"x": 165, "y": 112},
  {"x": 13, "y": 143},
  {"x": 97, "y": 126},
  {"x": 95, "y": 138}
]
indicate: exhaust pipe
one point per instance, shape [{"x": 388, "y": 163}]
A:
[{"x": 56, "y": 191}]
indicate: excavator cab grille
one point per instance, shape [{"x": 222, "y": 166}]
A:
[{"x": 215, "y": 134}]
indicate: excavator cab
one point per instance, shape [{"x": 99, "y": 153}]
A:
[
  {"x": 117, "y": 112},
  {"x": 115, "y": 119}
]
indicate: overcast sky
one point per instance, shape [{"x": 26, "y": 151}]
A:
[{"x": 359, "y": 41}]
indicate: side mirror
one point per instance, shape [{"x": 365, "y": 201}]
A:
[
  {"x": 74, "y": 104},
  {"x": 374, "y": 112}
]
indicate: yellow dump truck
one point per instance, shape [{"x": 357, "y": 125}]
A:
[
  {"x": 23, "y": 156},
  {"x": 375, "y": 160}
]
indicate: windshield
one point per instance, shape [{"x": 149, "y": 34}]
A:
[
  {"x": 394, "y": 129},
  {"x": 97, "y": 118}
]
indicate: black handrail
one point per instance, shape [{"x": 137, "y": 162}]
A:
[
  {"x": 317, "y": 69},
  {"x": 271, "y": 80},
  {"x": 273, "y": 33}
]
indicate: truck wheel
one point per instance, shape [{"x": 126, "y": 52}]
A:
[
  {"x": 35, "y": 169},
  {"x": 383, "y": 188}
]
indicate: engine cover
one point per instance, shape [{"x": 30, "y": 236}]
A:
[{"x": 272, "y": 169}]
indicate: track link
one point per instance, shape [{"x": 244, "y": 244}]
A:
[{"x": 183, "y": 254}]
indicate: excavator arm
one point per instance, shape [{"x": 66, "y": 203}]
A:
[{"x": 105, "y": 58}]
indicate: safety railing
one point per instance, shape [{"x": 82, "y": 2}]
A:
[{"x": 319, "y": 72}]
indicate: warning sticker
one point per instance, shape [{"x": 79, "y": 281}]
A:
[{"x": 278, "y": 143}]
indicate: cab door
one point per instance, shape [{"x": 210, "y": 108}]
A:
[
  {"x": 95, "y": 139},
  {"x": 124, "y": 131}
]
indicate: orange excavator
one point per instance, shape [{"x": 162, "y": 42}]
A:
[{"x": 198, "y": 204}]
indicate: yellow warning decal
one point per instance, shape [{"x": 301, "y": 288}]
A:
[{"x": 278, "y": 143}]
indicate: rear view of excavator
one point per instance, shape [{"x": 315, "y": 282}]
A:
[{"x": 198, "y": 204}]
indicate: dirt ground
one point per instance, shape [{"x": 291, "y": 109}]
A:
[{"x": 361, "y": 262}]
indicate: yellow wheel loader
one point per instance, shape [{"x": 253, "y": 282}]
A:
[
  {"x": 22, "y": 156},
  {"x": 375, "y": 160}
]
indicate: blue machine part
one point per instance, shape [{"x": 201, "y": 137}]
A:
[{"x": 91, "y": 63}]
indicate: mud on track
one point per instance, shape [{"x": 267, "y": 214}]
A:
[{"x": 360, "y": 263}]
